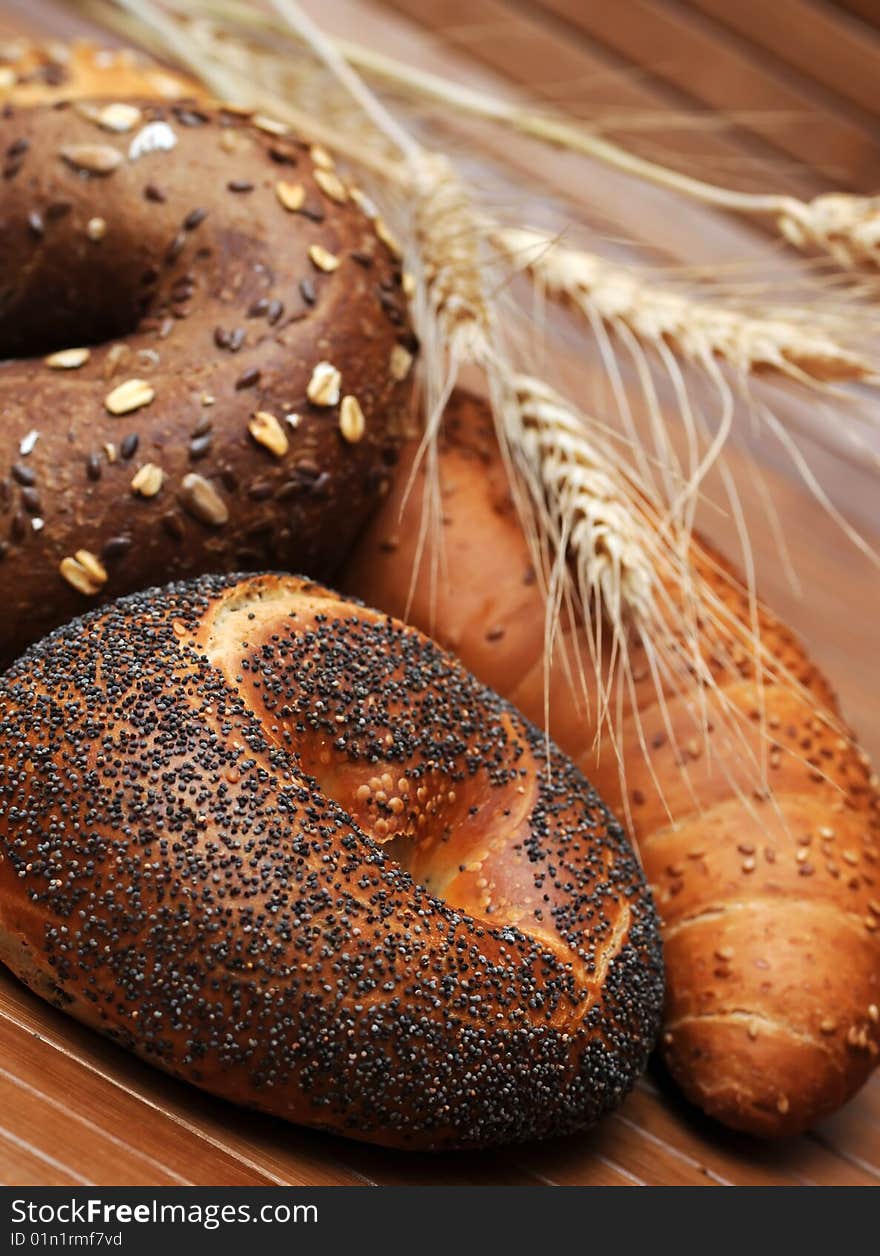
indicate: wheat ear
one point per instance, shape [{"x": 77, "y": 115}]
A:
[
  {"x": 701, "y": 332},
  {"x": 847, "y": 227},
  {"x": 607, "y": 539},
  {"x": 597, "y": 541},
  {"x": 697, "y": 330}
]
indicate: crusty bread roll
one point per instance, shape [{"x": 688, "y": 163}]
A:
[
  {"x": 285, "y": 848},
  {"x": 770, "y": 899},
  {"x": 208, "y": 352},
  {"x": 34, "y": 73}
]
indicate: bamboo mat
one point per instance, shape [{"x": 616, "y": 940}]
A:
[{"x": 798, "y": 77}]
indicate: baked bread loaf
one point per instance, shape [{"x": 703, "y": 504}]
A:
[
  {"x": 285, "y": 848},
  {"x": 207, "y": 353},
  {"x": 35, "y": 73},
  {"x": 770, "y": 897}
]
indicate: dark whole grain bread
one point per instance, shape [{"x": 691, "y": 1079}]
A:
[
  {"x": 287, "y": 849},
  {"x": 207, "y": 353}
]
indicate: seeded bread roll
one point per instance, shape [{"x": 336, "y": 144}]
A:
[
  {"x": 208, "y": 353},
  {"x": 33, "y": 73},
  {"x": 285, "y": 848},
  {"x": 770, "y": 896}
]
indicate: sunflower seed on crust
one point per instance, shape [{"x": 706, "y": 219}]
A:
[
  {"x": 67, "y": 359},
  {"x": 92, "y": 158},
  {"x": 155, "y": 137},
  {"x": 291, "y": 195},
  {"x": 148, "y": 480},
  {"x": 400, "y": 363},
  {"x": 268, "y": 432},
  {"x": 200, "y": 498},
  {"x": 128, "y": 396},
  {"x": 84, "y": 572},
  {"x": 92, "y": 565},
  {"x": 118, "y": 117},
  {"x": 331, "y": 185},
  {"x": 321, "y": 158},
  {"x": 324, "y": 386},
  {"x": 323, "y": 258},
  {"x": 352, "y": 423}
]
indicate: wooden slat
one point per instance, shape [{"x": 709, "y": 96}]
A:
[
  {"x": 854, "y": 1136},
  {"x": 401, "y": 1168},
  {"x": 667, "y": 42},
  {"x": 108, "y": 1157},
  {"x": 805, "y": 1160},
  {"x": 221, "y": 1145},
  {"x": 586, "y": 78},
  {"x": 22, "y": 1164},
  {"x": 619, "y": 1142},
  {"x": 84, "y": 1101},
  {"x": 594, "y": 1168},
  {"x": 792, "y": 30},
  {"x": 867, "y": 11},
  {"x": 721, "y": 1154}
]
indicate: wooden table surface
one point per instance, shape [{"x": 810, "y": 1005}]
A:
[{"x": 797, "y": 83}]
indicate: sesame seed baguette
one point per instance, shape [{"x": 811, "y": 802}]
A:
[
  {"x": 770, "y": 897},
  {"x": 285, "y": 848},
  {"x": 194, "y": 376}
]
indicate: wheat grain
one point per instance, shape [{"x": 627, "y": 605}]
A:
[
  {"x": 448, "y": 233},
  {"x": 846, "y": 226},
  {"x": 609, "y": 541},
  {"x": 573, "y": 484},
  {"x": 697, "y": 330}
]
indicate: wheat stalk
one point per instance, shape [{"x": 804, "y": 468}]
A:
[
  {"x": 447, "y": 232},
  {"x": 458, "y": 319},
  {"x": 227, "y": 72},
  {"x": 602, "y": 543},
  {"x": 845, "y": 227},
  {"x": 698, "y": 330}
]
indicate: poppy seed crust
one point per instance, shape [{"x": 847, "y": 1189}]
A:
[{"x": 287, "y": 849}]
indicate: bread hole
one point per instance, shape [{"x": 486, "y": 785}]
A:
[
  {"x": 436, "y": 828},
  {"x": 53, "y": 306}
]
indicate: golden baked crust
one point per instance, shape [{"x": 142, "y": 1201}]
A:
[
  {"x": 283, "y": 847},
  {"x": 770, "y": 901},
  {"x": 239, "y": 405},
  {"x": 37, "y": 73}
]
